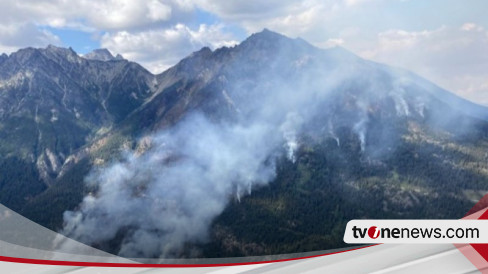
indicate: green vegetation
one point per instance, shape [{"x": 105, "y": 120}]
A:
[
  {"x": 309, "y": 203},
  {"x": 19, "y": 182},
  {"x": 428, "y": 174}
]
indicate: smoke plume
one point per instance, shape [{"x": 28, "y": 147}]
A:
[{"x": 169, "y": 195}]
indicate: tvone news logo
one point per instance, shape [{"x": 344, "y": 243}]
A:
[
  {"x": 416, "y": 231},
  {"x": 374, "y": 233}
]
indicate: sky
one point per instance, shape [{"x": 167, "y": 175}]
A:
[{"x": 445, "y": 41}]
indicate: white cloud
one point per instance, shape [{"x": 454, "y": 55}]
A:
[
  {"x": 316, "y": 21},
  {"x": 25, "y": 21},
  {"x": 396, "y": 40},
  {"x": 154, "y": 32},
  {"x": 244, "y": 10},
  {"x": 14, "y": 36},
  {"x": 355, "y": 2},
  {"x": 149, "y": 32},
  {"x": 159, "y": 49},
  {"x": 332, "y": 42},
  {"x": 454, "y": 58},
  {"x": 286, "y": 16},
  {"x": 237, "y": 10},
  {"x": 123, "y": 14},
  {"x": 471, "y": 27},
  {"x": 101, "y": 14}
]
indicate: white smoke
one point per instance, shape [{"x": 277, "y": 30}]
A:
[
  {"x": 290, "y": 131},
  {"x": 157, "y": 202},
  {"x": 420, "y": 108},
  {"x": 361, "y": 128},
  {"x": 401, "y": 105},
  {"x": 332, "y": 132},
  {"x": 168, "y": 196}
]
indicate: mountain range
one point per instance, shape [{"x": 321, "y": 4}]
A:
[{"x": 345, "y": 138}]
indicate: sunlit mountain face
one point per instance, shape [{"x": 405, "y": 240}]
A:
[{"x": 267, "y": 147}]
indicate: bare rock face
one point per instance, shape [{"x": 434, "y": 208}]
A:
[{"x": 102, "y": 55}]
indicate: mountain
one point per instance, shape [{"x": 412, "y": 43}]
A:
[
  {"x": 52, "y": 102},
  {"x": 102, "y": 55},
  {"x": 323, "y": 135}
]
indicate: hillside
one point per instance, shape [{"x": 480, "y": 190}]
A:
[{"x": 267, "y": 147}]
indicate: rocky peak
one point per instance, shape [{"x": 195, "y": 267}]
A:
[
  {"x": 119, "y": 57},
  {"x": 65, "y": 57},
  {"x": 266, "y": 44},
  {"x": 102, "y": 55},
  {"x": 60, "y": 50},
  {"x": 23, "y": 55},
  {"x": 52, "y": 51},
  {"x": 3, "y": 57},
  {"x": 34, "y": 55},
  {"x": 265, "y": 38},
  {"x": 270, "y": 38},
  {"x": 203, "y": 51}
]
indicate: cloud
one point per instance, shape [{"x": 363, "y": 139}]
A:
[
  {"x": 454, "y": 58},
  {"x": 294, "y": 18},
  {"x": 155, "y": 33},
  {"x": 94, "y": 15},
  {"x": 356, "y": 2},
  {"x": 245, "y": 10},
  {"x": 284, "y": 16},
  {"x": 87, "y": 16},
  {"x": 159, "y": 49},
  {"x": 24, "y": 35},
  {"x": 471, "y": 27},
  {"x": 125, "y": 14},
  {"x": 332, "y": 42}
]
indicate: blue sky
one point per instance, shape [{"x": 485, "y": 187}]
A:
[
  {"x": 445, "y": 41},
  {"x": 82, "y": 42}
]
